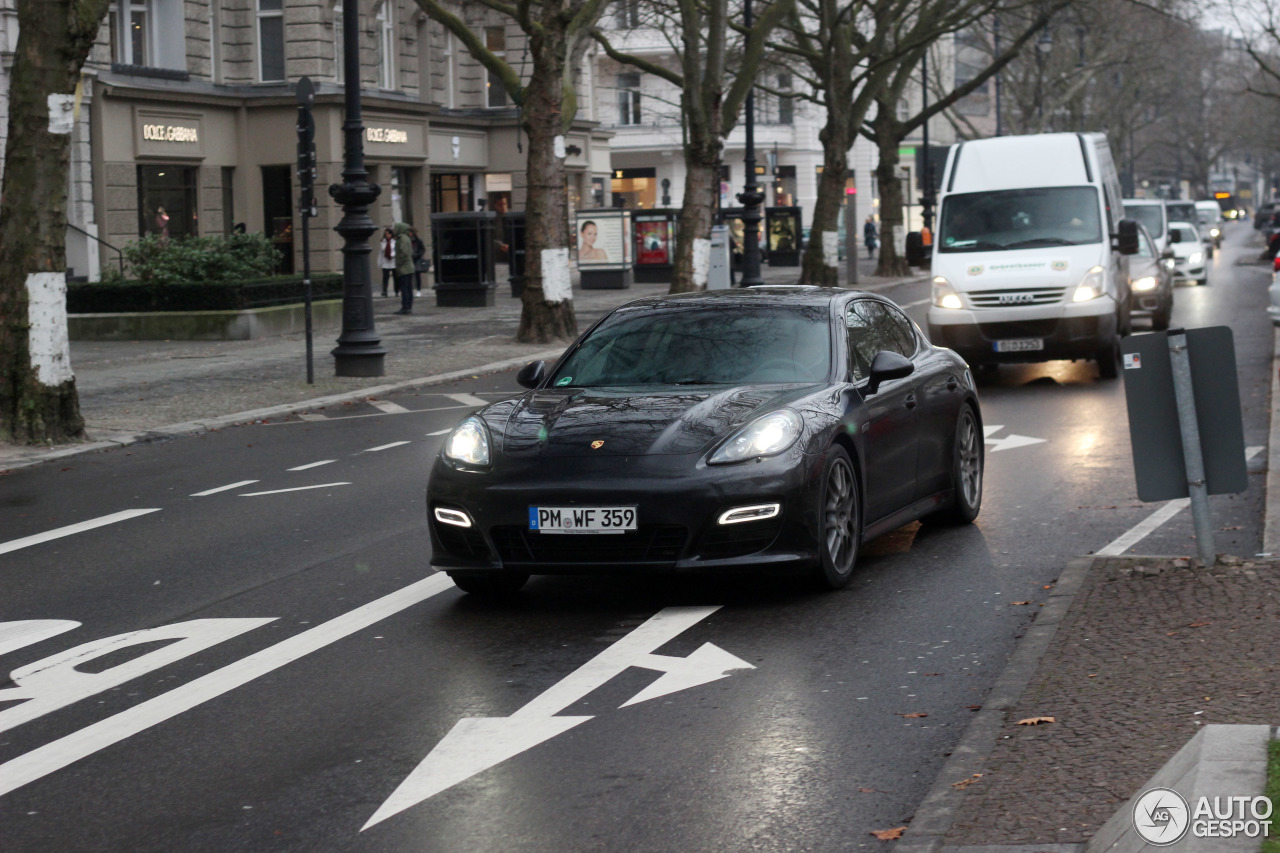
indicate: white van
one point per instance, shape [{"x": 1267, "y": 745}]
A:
[{"x": 1029, "y": 260}]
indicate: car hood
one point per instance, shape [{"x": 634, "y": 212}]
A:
[
  {"x": 1017, "y": 269},
  {"x": 598, "y": 422}
]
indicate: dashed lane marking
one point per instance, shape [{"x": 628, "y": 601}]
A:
[
  {"x": 294, "y": 489},
  {"x": 384, "y": 447},
  {"x": 49, "y": 535},
  {"x": 389, "y": 407},
  {"x": 440, "y": 432},
  {"x": 313, "y": 465},
  {"x": 225, "y": 488},
  {"x": 467, "y": 399}
]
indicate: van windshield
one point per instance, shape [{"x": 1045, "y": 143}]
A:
[
  {"x": 1149, "y": 215},
  {"x": 1019, "y": 219}
]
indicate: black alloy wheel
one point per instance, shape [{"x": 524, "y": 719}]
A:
[
  {"x": 489, "y": 583},
  {"x": 966, "y": 474},
  {"x": 839, "y": 520}
]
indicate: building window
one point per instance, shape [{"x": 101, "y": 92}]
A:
[
  {"x": 386, "y": 46},
  {"x": 130, "y": 33},
  {"x": 339, "y": 64},
  {"x": 628, "y": 98},
  {"x": 627, "y": 14},
  {"x": 495, "y": 39},
  {"x": 270, "y": 40},
  {"x": 167, "y": 201},
  {"x": 786, "y": 105},
  {"x": 448, "y": 70}
]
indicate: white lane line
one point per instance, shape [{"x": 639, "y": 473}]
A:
[
  {"x": 389, "y": 407},
  {"x": 440, "y": 431},
  {"x": 313, "y": 465},
  {"x": 384, "y": 447},
  {"x": 294, "y": 489},
  {"x": 467, "y": 399},
  {"x": 924, "y": 301},
  {"x": 1152, "y": 522},
  {"x": 54, "y": 756},
  {"x": 28, "y": 541},
  {"x": 223, "y": 488},
  {"x": 312, "y": 416}
]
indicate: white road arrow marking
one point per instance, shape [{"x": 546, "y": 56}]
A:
[
  {"x": 1008, "y": 443},
  {"x": 475, "y": 744}
]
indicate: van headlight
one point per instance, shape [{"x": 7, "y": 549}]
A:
[
  {"x": 1195, "y": 258},
  {"x": 468, "y": 443},
  {"x": 944, "y": 295},
  {"x": 1147, "y": 282},
  {"x": 1093, "y": 285},
  {"x": 767, "y": 436}
]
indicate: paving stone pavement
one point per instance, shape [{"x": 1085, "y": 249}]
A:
[{"x": 1150, "y": 650}]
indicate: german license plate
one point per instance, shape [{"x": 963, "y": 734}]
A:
[
  {"x": 1019, "y": 345},
  {"x": 582, "y": 519}
]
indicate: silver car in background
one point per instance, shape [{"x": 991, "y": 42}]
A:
[{"x": 1189, "y": 253}]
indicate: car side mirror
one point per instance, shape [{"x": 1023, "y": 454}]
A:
[
  {"x": 1127, "y": 237},
  {"x": 1168, "y": 254},
  {"x": 532, "y": 374},
  {"x": 888, "y": 365},
  {"x": 1175, "y": 236}
]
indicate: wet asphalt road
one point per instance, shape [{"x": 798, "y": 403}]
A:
[{"x": 315, "y": 663}]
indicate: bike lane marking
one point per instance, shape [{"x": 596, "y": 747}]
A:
[
  {"x": 56, "y": 755},
  {"x": 80, "y": 527}
]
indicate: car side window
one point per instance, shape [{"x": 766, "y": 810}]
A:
[{"x": 872, "y": 327}]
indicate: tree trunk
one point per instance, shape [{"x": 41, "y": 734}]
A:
[
  {"x": 821, "y": 264},
  {"x": 547, "y": 310},
  {"x": 887, "y": 141},
  {"x": 38, "y": 400},
  {"x": 693, "y": 248}
]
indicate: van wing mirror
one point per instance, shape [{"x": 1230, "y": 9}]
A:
[
  {"x": 1126, "y": 237},
  {"x": 530, "y": 376}
]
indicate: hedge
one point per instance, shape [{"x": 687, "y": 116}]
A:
[{"x": 134, "y": 296}]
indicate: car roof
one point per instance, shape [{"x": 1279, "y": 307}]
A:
[
  {"x": 1158, "y": 201},
  {"x": 1179, "y": 223}
]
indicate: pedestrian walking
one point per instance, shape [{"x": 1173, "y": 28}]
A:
[
  {"x": 404, "y": 267},
  {"x": 387, "y": 259},
  {"x": 419, "y": 253},
  {"x": 870, "y": 236}
]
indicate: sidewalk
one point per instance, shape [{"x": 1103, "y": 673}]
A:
[{"x": 134, "y": 390}]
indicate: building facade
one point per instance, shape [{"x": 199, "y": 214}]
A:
[{"x": 187, "y": 122}]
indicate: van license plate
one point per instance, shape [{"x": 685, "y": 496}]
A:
[
  {"x": 582, "y": 519},
  {"x": 1019, "y": 345}
]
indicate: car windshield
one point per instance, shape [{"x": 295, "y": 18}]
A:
[
  {"x": 1149, "y": 215},
  {"x": 703, "y": 346},
  {"x": 1205, "y": 217},
  {"x": 1019, "y": 219}
]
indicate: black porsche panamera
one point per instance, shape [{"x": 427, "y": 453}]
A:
[{"x": 773, "y": 428}]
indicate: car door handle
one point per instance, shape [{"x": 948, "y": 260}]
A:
[{"x": 911, "y": 401}]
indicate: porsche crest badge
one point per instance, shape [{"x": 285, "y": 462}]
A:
[{"x": 596, "y": 445}]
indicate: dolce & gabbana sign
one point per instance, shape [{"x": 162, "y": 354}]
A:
[
  {"x": 386, "y": 134},
  {"x": 163, "y": 134}
]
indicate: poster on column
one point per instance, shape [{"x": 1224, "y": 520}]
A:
[{"x": 600, "y": 240}]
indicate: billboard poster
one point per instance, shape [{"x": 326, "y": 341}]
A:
[
  {"x": 600, "y": 240},
  {"x": 783, "y": 232},
  {"x": 653, "y": 241}
]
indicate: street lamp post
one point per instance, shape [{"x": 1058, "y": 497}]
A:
[
  {"x": 751, "y": 196},
  {"x": 359, "y": 351}
]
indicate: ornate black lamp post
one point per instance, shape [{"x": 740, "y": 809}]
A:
[
  {"x": 751, "y": 196},
  {"x": 359, "y": 351}
]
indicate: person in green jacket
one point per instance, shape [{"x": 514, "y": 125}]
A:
[{"x": 404, "y": 267}]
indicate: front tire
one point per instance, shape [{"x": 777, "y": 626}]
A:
[
  {"x": 489, "y": 583},
  {"x": 839, "y": 521},
  {"x": 1162, "y": 316},
  {"x": 1109, "y": 359}
]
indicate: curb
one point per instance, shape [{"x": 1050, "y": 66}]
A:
[
  {"x": 194, "y": 427},
  {"x": 933, "y": 819}
]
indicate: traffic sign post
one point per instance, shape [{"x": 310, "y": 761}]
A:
[
  {"x": 306, "y": 95},
  {"x": 1184, "y": 420}
]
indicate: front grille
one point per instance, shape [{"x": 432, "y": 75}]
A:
[
  {"x": 738, "y": 540},
  {"x": 465, "y": 542},
  {"x": 1015, "y": 298},
  {"x": 654, "y": 543},
  {"x": 1025, "y": 329}
]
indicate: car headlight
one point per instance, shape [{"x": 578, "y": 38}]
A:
[
  {"x": 468, "y": 443},
  {"x": 766, "y": 436},
  {"x": 1215, "y": 233},
  {"x": 944, "y": 295},
  {"x": 1195, "y": 258},
  {"x": 1147, "y": 282},
  {"x": 1091, "y": 286}
]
